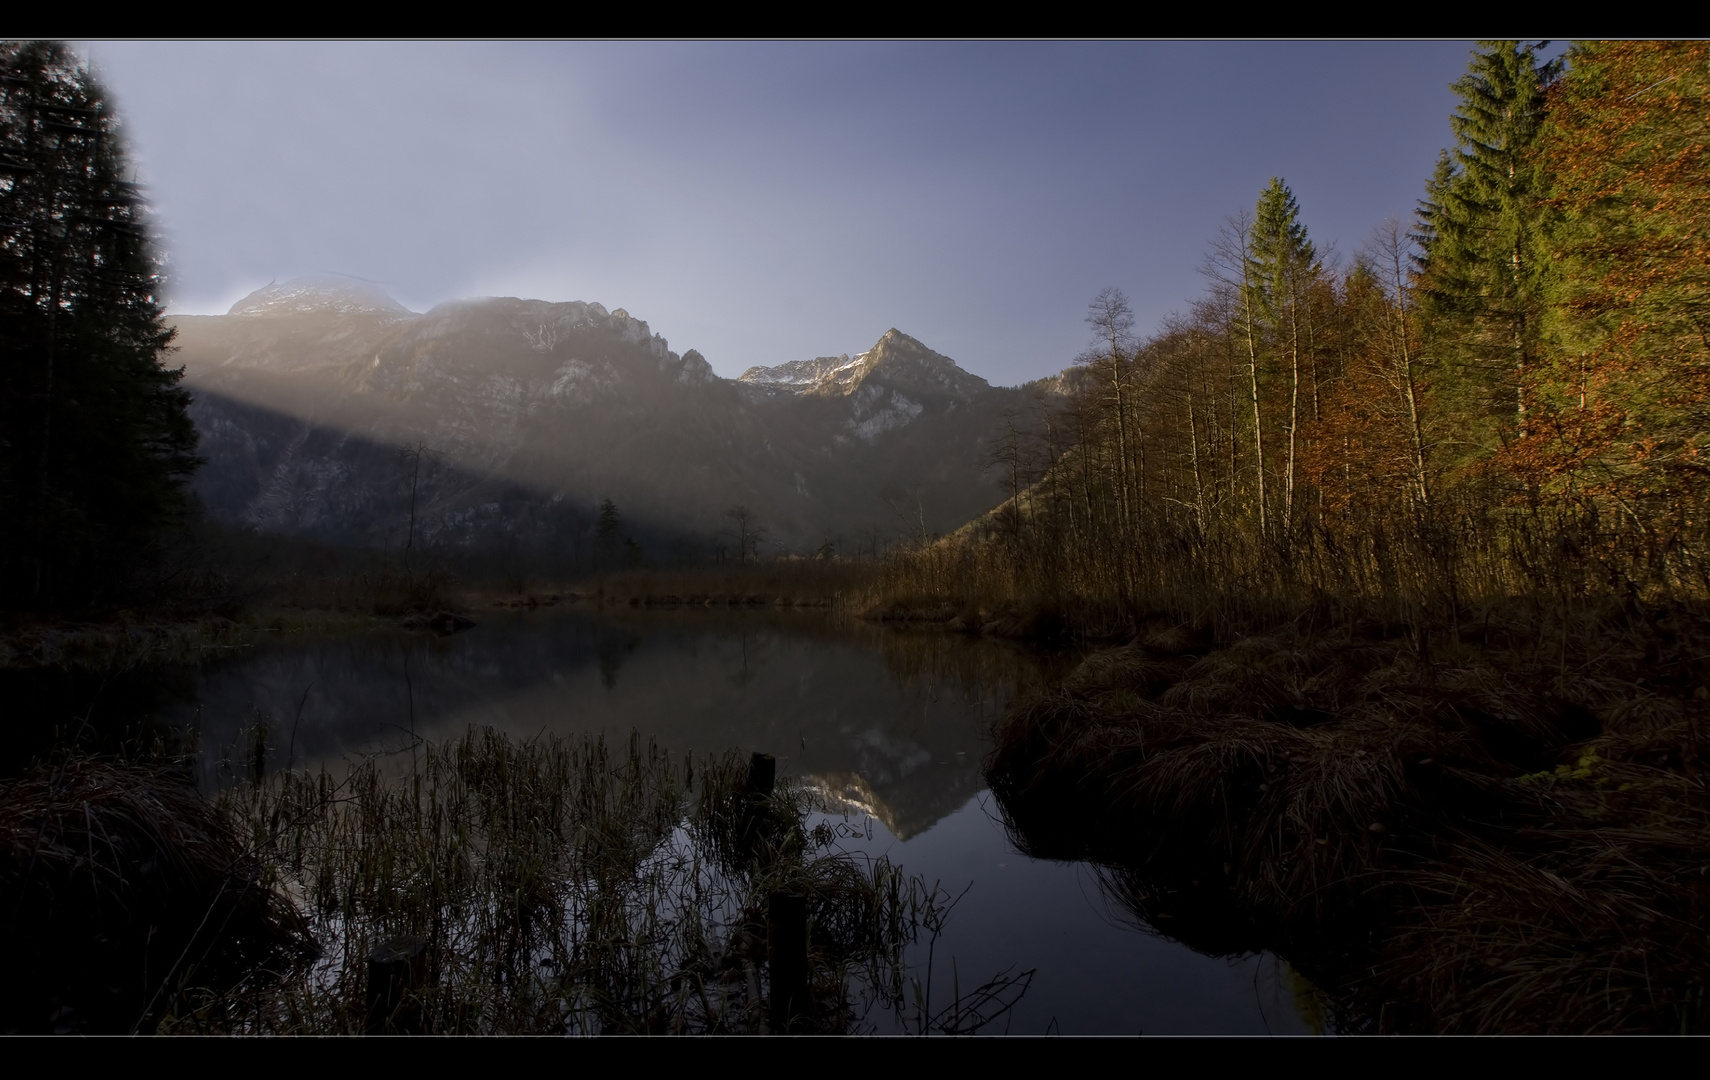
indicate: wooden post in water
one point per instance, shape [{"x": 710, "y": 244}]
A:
[
  {"x": 754, "y": 811},
  {"x": 397, "y": 974},
  {"x": 787, "y": 957},
  {"x": 762, "y": 775}
]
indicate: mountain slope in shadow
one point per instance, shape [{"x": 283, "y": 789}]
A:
[{"x": 315, "y": 400}]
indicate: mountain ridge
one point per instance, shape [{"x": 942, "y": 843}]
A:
[{"x": 299, "y": 390}]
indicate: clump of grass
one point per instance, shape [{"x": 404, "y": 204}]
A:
[
  {"x": 1489, "y": 840},
  {"x": 126, "y": 894},
  {"x": 562, "y": 886}
]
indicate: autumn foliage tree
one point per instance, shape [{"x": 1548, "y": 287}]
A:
[
  {"x": 1628, "y": 392},
  {"x": 1510, "y": 397}
]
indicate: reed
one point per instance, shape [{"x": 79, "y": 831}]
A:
[{"x": 562, "y": 886}]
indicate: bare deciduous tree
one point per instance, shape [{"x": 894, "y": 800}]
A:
[{"x": 749, "y": 533}]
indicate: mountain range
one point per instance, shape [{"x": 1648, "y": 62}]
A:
[{"x": 327, "y": 409}]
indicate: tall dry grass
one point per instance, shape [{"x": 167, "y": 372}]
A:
[
  {"x": 1499, "y": 834},
  {"x": 823, "y": 583},
  {"x": 564, "y": 886},
  {"x": 125, "y": 894}
]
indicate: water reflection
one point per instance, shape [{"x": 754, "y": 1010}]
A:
[
  {"x": 1098, "y": 971},
  {"x": 894, "y": 723}
]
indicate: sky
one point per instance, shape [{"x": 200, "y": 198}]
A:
[{"x": 767, "y": 202}]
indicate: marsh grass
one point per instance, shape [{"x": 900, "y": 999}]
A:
[
  {"x": 1501, "y": 835},
  {"x": 817, "y": 583},
  {"x": 570, "y": 886}
]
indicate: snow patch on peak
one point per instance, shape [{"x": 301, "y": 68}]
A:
[
  {"x": 335, "y": 295},
  {"x": 799, "y": 375},
  {"x": 895, "y": 359}
]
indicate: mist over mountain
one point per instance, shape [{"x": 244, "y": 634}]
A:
[{"x": 314, "y": 397}]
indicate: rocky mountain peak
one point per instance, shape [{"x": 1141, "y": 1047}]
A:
[
  {"x": 895, "y": 359},
  {"x": 800, "y": 375},
  {"x": 333, "y": 295}
]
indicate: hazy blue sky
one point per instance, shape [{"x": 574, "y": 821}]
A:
[{"x": 770, "y": 202}]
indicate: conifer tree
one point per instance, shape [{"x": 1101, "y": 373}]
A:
[
  {"x": 1628, "y": 143},
  {"x": 1482, "y": 232},
  {"x": 607, "y": 529},
  {"x": 95, "y": 439},
  {"x": 1280, "y": 248},
  {"x": 1283, "y": 266}
]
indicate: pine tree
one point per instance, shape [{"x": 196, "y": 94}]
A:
[
  {"x": 1284, "y": 265},
  {"x": 607, "y": 530},
  {"x": 1482, "y": 232},
  {"x": 1280, "y": 251},
  {"x": 95, "y": 437}
]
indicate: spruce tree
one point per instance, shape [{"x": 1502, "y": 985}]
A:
[
  {"x": 1282, "y": 265},
  {"x": 95, "y": 437},
  {"x": 1280, "y": 250},
  {"x": 1482, "y": 226}
]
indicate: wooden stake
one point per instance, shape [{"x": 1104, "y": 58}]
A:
[
  {"x": 397, "y": 974},
  {"x": 787, "y": 956},
  {"x": 762, "y": 775}
]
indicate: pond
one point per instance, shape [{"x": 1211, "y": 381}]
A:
[{"x": 891, "y": 724}]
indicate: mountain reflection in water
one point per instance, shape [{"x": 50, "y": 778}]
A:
[{"x": 894, "y": 723}]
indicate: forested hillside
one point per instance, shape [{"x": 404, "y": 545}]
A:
[
  {"x": 1504, "y": 395},
  {"x": 1407, "y": 556}
]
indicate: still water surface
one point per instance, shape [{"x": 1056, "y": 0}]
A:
[{"x": 894, "y": 724}]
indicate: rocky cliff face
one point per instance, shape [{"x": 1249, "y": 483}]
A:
[
  {"x": 323, "y": 405},
  {"x": 887, "y": 387}
]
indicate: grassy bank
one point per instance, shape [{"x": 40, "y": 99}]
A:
[
  {"x": 232, "y": 603},
  {"x": 218, "y": 589},
  {"x": 1501, "y": 831},
  {"x": 779, "y": 583}
]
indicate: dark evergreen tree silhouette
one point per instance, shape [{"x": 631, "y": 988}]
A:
[
  {"x": 607, "y": 531},
  {"x": 95, "y": 438}
]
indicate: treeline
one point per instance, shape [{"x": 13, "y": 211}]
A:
[
  {"x": 1505, "y": 397},
  {"x": 95, "y": 439}
]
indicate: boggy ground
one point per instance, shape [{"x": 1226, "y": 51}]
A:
[
  {"x": 213, "y": 614},
  {"x": 1506, "y": 831}
]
